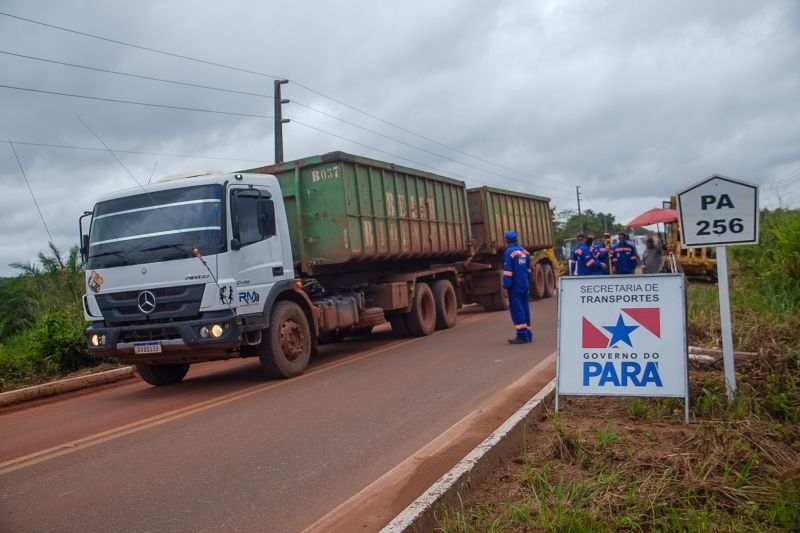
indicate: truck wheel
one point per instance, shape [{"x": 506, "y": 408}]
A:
[
  {"x": 421, "y": 321},
  {"x": 537, "y": 282},
  {"x": 446, "y": 304},
  {"x": 286, "y": 348},
  {"x": 399, "y": 326},
  {"x": 549, "y": 281},
  {"x": 162, "y": 374}
]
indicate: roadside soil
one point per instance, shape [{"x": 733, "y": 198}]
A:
[{"x": 631, "y": 464}]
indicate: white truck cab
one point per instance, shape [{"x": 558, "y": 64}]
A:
[{"x": 180, "y": 271}]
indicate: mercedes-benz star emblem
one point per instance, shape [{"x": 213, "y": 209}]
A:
[{"x": 146, "y": 302}]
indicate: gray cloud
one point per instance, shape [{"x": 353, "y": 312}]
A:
[{"x": 632, "y": 100}]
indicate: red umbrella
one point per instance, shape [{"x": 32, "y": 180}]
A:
[{"x": 657, "y": 215}]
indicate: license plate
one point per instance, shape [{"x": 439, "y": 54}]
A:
[{"x": 147, "y": 347}]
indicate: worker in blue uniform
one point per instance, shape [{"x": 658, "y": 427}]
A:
[
  {"x": 624, "y": 256},
  {"x": 602, "y": 258},
  {"x": 586, "y": 262},
  {"x": 517, "y": 281}
]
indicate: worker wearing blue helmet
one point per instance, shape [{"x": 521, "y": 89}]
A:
[{"x": 517, "y": 281}]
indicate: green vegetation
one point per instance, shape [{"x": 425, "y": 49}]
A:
[
  {"x": 41, "y": 320},
  {"x": 567, "y": 224},
  {"x": 765, "y": 291},
  {"x": 616, "y": 464}
]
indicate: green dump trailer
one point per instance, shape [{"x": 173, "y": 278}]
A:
[
  {"x": 492, "y": 212},
  {"x": 356, "y": 221},
  {"x": 348, "y": 212}
]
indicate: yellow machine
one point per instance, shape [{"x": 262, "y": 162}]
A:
[{"x": 694, "y": 262}]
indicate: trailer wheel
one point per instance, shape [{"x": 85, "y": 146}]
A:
[
  {"x": 537, "y": 282},
  {"x": 549, "y": 281},
  {"x": 421, "y": 320},
  {"x": 159, "y": 375},
  {"x": 446, "y": 304},
  {"x": 286, "y": 348}
]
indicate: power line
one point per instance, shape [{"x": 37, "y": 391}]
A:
[
  {"x": 36, "y": 203},
  {"x": 418, "y": 163},
  {"x": 310, "y": 108},
  {"x": 133, "y": 102},
  {"x": 140, "y": 76},
  {"x": 401, "y": 128},
  {"x": 187, "y": 156},
  {"x": 238, "y": 114},
  {"x": 437, "y": 154},
  {"x": 155, "y": 51},
  {"x": 301, "y": 85}
]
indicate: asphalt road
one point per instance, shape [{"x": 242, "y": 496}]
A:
[{"x": 348, "y": 444}]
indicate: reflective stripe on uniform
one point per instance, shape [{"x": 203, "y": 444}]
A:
[
  {"x": 508, "y": 273},
  {"x": 521, "y": 326}
]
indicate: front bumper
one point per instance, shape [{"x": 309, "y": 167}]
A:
[{"x": 180, "y": 342}]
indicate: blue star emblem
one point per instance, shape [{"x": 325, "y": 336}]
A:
[{"x": 620, "y": 332}]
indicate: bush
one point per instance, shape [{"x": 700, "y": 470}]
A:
[{"x": 59, "y": 340}]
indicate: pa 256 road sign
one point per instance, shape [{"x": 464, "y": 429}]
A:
[{"x": 719, "y": 211}]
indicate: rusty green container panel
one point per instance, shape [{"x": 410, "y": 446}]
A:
[
  {"x": 351, "y": 210},
  {"x": 492, "y": 212}
]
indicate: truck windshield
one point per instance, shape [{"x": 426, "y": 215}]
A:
[{"x": 160, "y": 226}]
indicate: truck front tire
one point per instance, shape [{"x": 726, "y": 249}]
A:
[
  {"x": 159, "y": 375},
  {"x": 446, "y": 304},
  {"x": 285, "y": 349}
]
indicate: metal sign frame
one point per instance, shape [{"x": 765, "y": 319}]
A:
[
  {"x": 684, "y": 342},
  {"x": 681, "y": 213}
]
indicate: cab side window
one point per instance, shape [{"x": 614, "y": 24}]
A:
[{"x": 253, "y": 216}]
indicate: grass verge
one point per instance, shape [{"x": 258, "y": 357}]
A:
[{"x": 616, "y": 464}]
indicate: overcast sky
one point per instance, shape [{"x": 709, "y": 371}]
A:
[{"x": 631, "y": 100}]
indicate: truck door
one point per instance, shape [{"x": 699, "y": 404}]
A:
[{"x": 256, "y": 256}]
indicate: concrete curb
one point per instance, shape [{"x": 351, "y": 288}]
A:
[
  {"x": 64, "y": 385},
  {"x": 456, "y": 484}
]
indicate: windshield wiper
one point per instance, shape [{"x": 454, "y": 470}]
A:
[
  {"x": 165, "y": 246},
  {"x": 118, "y": 253}
]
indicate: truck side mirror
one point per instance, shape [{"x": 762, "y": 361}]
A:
[
  {"x": 235, "y": 244},
  {"x": 85, "y": 248}
]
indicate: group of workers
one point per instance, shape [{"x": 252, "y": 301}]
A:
[
  {"x": 588, "y": 259},
  {"x": 597, "y": 258}
]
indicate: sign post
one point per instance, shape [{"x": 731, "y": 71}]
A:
[
  {"x": 720, "y": 211},
  {"x": 622, "y": 336}
]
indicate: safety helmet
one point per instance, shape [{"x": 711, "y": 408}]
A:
[{"x": 511, "y": 235}]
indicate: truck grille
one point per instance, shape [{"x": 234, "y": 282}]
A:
[
  {"x": 149, "y": 334},
  {"x": 171, "y": 303}
]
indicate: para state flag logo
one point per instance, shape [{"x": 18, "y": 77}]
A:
[{"x": 617, "y": 335}]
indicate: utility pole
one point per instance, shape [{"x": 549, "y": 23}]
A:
[
  {"x": 279, "y": 120},
  {"x": 580, "y": 216}
]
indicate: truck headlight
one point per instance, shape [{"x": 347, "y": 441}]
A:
[
  {"x": 97, "y": 340},
  {"x": 215, "y": 330}
]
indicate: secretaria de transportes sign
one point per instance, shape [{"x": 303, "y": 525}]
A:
[{"x": 622, "y": 336}]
